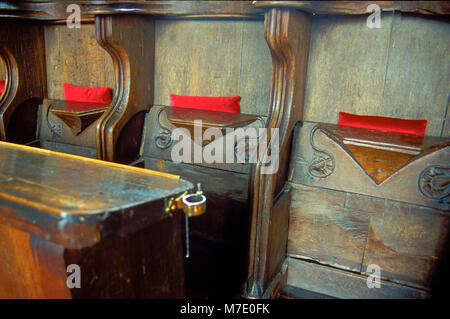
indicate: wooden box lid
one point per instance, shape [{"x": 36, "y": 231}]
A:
[{"x": 77, "y": 200}]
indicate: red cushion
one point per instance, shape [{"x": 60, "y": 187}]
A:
[
  {"x": 389, "y": 124},
  {"x": 87, "y": 94},
  {"x": 2, "y": 86},
  {"x": 211, "y": 103}
]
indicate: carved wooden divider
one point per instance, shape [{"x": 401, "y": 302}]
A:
[
  {"x": 26, "y": 78},
  {"x": 130, "y": 41},
  {"x": 287, "y": 33}
]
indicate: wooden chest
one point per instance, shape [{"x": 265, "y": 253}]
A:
[{"x": 62, "y": 216}]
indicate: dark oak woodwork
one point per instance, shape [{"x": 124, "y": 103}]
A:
[
  {"x": 222, "y": 234},
  {"x": 130, "y": 42},
  {"x": 389, "y": 165},
  {"x": 287, "y": 34},
  {"x": 217, "y": 237},
  {"x": 364, "y": 197},
  {"x": 109, "y": 219},
  {"x": 56, "y": 11},
  {"x": 132, "y": 54},
  {"x": 360, "y": 7},
  {"x": 20, "y": 40},
  {"x": 329, "y": 201}
]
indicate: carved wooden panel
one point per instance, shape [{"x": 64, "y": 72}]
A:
[
  {"x": 395, "y": 166},
  {"x": 158, "y": 141},
  {"x": 365, "y": 197}
]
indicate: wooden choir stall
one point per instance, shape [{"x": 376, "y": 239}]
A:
[{"x": 300, "y": 205}]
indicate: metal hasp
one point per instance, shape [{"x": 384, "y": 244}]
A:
[{"x": 191, "y": 204}]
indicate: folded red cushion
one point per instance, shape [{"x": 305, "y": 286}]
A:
[
  {"x": 2, "y": 86},
  {"x": 389, "y": 124},
  {"x": 87, "y": 94},
  {"x": 211, "y": 103}
]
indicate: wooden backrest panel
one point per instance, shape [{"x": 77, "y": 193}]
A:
[
  {"x": 213, "y": 58},
  {"x": 74, "y": 56}
]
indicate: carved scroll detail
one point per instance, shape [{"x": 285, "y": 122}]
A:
[
  {"x": 164, "y": 138},
  {"x": 55, "y": 128},
  {"x": 322, "y": 163},
  {"x": 434, "y": 181}
]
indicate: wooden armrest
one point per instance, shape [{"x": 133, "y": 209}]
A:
[
  {"x": 390, "y": 141},
  {"x": 179, "y": 116},
  {"x": 76, "y": 115},
  {"x": 382, "y": 153}
]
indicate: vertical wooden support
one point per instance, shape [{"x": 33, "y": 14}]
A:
[
  {"x": 287, "y": 33},
  {"x": 130, "y": 40},
  {"x": 22, "y": 48}
]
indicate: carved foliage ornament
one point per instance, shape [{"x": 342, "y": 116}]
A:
[
  {"x": 164, "y": 138},
  {"x": 322, "y": 163},
  {"x": 434, "y": 181}
]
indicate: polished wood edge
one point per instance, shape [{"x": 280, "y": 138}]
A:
[
  {"x": 89, "y": 160},
  {"x": 56, "y": 10},
  {"x": 429, "y": 143},
  {"x": 241, "y": 118},
  {"x": 78, "y": 113},
  {"x": 359, "y": 7}
]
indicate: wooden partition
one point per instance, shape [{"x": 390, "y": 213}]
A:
[
  {"x": 126, "y": 58},
  {"x": 23, "y": 51},
  {"x": 213, "y": 57}
]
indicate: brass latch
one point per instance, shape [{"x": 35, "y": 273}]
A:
[{"x": 193, "y": 204}]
